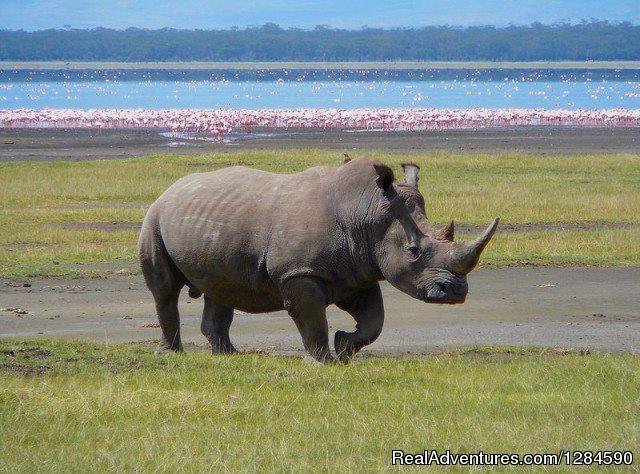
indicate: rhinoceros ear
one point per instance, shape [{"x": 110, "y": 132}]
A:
[
  {"x": 346, "y": 158},
  {"x": 385, "y": 176},
  {"x": 411, "y": 174}
]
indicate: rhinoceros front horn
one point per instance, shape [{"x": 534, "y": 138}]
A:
[{"x": 465, "y": 256}]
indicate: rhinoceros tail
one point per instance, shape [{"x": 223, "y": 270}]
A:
[{"x": 194, "y": 292}]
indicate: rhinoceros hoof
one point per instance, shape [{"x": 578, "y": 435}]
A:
[
  {"x": 343, "y": 346},
  {"x": 223, "y": 349},
  {"x": 164, "y": 349}
]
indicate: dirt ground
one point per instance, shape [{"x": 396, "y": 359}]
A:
[
  {"x": 89, "y": 144},
  {"x": 590, "y": 308}
]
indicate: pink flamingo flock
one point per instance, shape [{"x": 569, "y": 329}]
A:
[{"x": 222, "y": 122}]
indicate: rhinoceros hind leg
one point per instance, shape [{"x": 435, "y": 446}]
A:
[
  {"x": 165, "y": 282},
  {"x": 216, "y": 320},
  {"x": 305, "y": 300},
  {"x": 169, "y": 319},
  {"x": 367, "y": 309}
]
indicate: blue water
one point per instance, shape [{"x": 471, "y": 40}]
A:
[{"x": 600, "y": 94}]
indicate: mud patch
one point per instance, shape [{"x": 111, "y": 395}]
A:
[
  {"x": 15, "y": 247},
  {"x": 460, "y": 228},
  {"x": 489, "y": 352},
  {"x": 17, "y": 284},
  {"x": 99, "y": 225},
  {"x": 25, "y": 370},
  {"x": 518, "y": 352},
  {"x": 148, "y": 324},
  {"x": 18, "y": 361},
  {"x": 19, "y": 312},
  {"x": 33, "y": 352},
  {"x": 556, "y": 227},
  {"x": 67, "y": 288},
  {"x": 101, "y": 205},
  {"x": 219, "y": 163}
]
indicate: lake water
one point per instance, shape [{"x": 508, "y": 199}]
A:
[{"x": 522, "y": 90}]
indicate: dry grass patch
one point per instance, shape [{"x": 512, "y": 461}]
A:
[
  {"x": 70, "y": 405},
  {"x": 471, "y": 189}
]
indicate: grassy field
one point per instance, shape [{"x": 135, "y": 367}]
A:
[
  {"x": 71, "y": 218},
  {"x": 76, "y": 407},
  {"x": 390, "y": 65}
]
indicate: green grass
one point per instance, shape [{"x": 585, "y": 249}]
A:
[
  {"x": 74, "y": 407},
  {"x": 44, "y": 204},
  {"x": 396, "y": 65}
]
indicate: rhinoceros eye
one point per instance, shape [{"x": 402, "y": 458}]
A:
[{"x": 413, "y": 248}]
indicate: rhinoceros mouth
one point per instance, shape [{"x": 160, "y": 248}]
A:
[{"x": 441, "y": 293}]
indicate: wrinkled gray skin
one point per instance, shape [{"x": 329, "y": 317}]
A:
[{"x": 259, "y": 242}]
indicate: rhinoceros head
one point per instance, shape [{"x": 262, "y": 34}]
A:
[{"x": 412, "y": 254}]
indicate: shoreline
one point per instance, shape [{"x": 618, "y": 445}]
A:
[
  {"x": 222, "y": 125},
  {"x": 85, "y": 144}
]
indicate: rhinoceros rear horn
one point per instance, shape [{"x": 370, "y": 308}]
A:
[
  {"x": 465, "y": 256},
  {"x": 447, "y": 232},
  {"x": 411, "y": 171}
]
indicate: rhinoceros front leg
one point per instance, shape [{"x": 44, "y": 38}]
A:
[
  {"x": 216, "y": 320},
  {"x": 305, "y": 299},
  {"x": 367, "y": 309}
]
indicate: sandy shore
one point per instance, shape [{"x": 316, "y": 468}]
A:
[{"x": 89, "y": 144}]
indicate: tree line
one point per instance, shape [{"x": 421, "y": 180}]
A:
[{"x": 594, "y": 40}]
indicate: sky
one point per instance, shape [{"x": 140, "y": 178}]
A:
[{"x": 219, "y": 14}]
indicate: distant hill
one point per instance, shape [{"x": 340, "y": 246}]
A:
[{"x": 597, "y": 40}]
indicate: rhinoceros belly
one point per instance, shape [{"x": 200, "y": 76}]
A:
[{"x": 218, "y": 238}]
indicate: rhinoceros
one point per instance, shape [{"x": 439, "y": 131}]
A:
[{"x": 258, "y": 242}]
